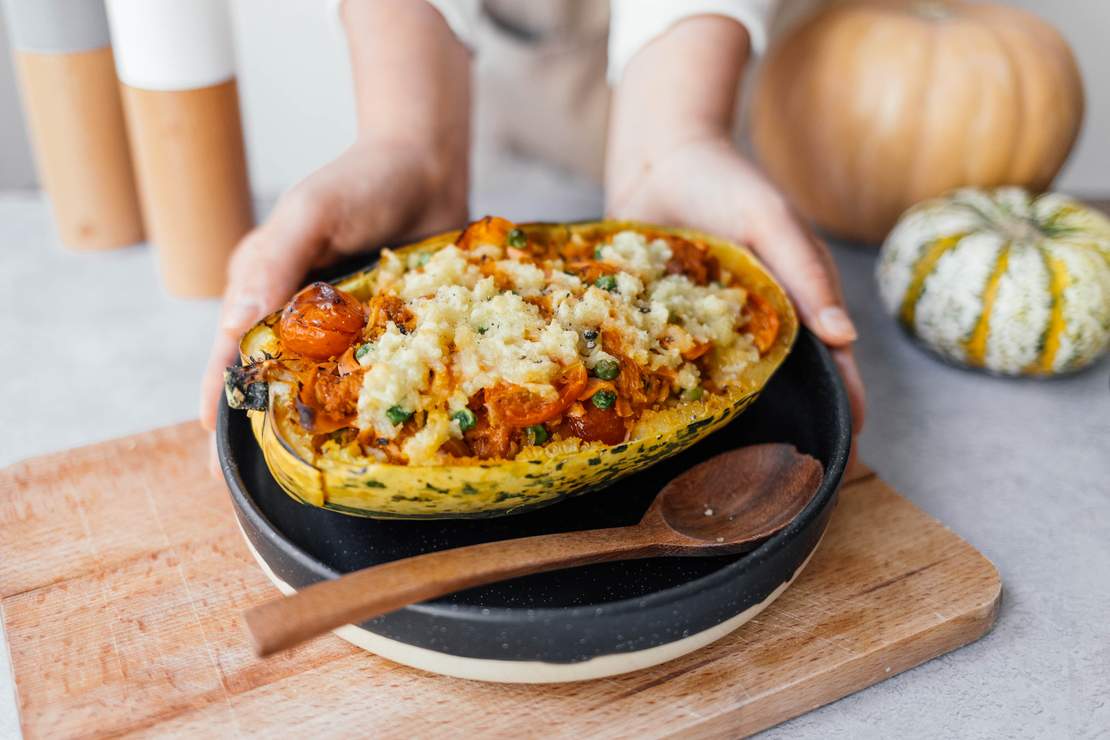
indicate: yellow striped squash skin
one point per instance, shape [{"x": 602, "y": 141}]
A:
[
  {"x": 1002, "y": 280},
  {"x": 538, "y": 475}
]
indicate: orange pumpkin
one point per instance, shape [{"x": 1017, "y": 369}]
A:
[{"x": 870, "y": 106}]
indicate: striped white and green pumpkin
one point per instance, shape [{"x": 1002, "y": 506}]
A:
[{"x": 1002, "y": 280}]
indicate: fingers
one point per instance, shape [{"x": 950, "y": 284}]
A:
[
  {"x": 853, "y": 383},
  {"x": 267, "y": 266},
  {"x": 213, "y": 458},
  {"x": 225, "y": 350},
  {"x": 849, "y": 372},
  {"x": 806, "y": 270},
  {"x": 808, "y": 273},
  {"x": 854, "y": 469},
  {"x": 272, "y": 260}
]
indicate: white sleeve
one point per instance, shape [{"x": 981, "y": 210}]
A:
[
  {"x": 633, "y": 23},
  {"x": 461, "y": 16}
]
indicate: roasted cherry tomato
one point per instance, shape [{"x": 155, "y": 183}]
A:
[
  {"x": 517, "y": 407},
  {"x": 595, "y": 425},
  {"x": 321, "y": 322}
]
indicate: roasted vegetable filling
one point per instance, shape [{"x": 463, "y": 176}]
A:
[{"x": 507, "y": 340}]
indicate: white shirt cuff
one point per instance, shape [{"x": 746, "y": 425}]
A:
[
  {"x": 633, "y": 23},
  {"x": 461, "y": 16}
]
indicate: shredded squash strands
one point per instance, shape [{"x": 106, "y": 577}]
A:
[{"x": 504, "y": 367}]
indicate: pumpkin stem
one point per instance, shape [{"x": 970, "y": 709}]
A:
[{"x": 1021, "y": 230}]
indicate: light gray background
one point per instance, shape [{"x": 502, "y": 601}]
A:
[
  {"x": 298, "y": 110},
  {"x": 1021, "y": 469}
]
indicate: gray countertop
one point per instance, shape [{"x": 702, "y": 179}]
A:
[{"x": 1020, "y": 469}]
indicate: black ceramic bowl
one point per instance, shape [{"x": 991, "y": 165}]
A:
[{"x": 574, "y": 624}]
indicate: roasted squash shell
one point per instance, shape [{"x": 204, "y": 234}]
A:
[{"x": 538, "y": 475}]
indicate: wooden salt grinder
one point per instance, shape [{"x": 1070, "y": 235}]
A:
[
  {"x": 72, "y": 104},
  {"x": 176, "y": 63}
]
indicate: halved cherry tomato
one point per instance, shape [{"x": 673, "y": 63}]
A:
[
  {"x": 516, "y": 406},
  {"x": 321, "y": 322},
  {"x": 595, "y": 425},
  {"x": 763, "y": 322}
]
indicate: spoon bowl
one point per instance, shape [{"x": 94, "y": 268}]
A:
[{"x": 736, "y": 499}]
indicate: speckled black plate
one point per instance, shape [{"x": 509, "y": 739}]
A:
[{"x": 574, "y": 624}]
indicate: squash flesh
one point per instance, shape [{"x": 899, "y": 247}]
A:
[{"x": 536, "y": 476}]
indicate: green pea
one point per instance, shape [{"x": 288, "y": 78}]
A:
[
  {"x": 597, "y": 253},
  {"x": 606, "y": 282},
  {"x": 363, "y": 350},
  {"x": 607, "y": 369},
  {"x": 466, "y": 419},
  {"x": 423, "y": 258},
  {"x": 604, "y": 399},
  {"x": 398, "y": 415},
  {"x": 516, "y": 238},
  {"x": 536, "y": 435},
  {"x": 692, "y": 394}
]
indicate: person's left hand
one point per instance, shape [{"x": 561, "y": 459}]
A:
[{"x": 705, "y": 184}]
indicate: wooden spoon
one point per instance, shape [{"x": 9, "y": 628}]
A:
[{"x": 718, "y": 507}]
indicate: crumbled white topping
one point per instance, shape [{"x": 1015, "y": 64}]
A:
[
  {"x": 469, "y": 335},
  {"x": 709, "y": 313},
  {"x": 633, "y": 253},
  {"x": 526, "y": 278}
]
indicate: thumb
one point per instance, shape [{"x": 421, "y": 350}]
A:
[
  {"x": 271, "y": 261},
  {"x": 265, "y": 269}
]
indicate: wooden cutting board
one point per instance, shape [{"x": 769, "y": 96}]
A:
[{"x": 122, "y": 576}]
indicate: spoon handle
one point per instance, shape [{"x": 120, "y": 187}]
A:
[{"x": 355, "y": 597}]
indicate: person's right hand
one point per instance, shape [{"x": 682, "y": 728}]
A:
[{"x": 374, "y": 193}]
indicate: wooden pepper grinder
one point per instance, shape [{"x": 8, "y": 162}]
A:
[
  {"x": 175, "y": 60},
  {"x": 72, "y": 103}
]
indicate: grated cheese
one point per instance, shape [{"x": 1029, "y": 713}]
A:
[{"x": 469, "y": 335}]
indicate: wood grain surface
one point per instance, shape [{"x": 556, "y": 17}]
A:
[
  {"x": 122, "y": 577},
  {"x": 193, "y": 181},
  {"x": 75, "y": 119}
]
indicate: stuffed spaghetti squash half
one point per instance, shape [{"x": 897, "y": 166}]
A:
[{"x": 483, "y": 372}]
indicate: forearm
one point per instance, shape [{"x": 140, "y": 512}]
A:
[
  {"x": 411, "y": 79},
  {"x": 680, "y": 87}
]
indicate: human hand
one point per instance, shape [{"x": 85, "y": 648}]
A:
[
  {"x": 671, "y": 160},
  {"x": 406, "y": 175},
  {"x": 704, "y": 183},
  {"x": 376, "y": 192}
]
